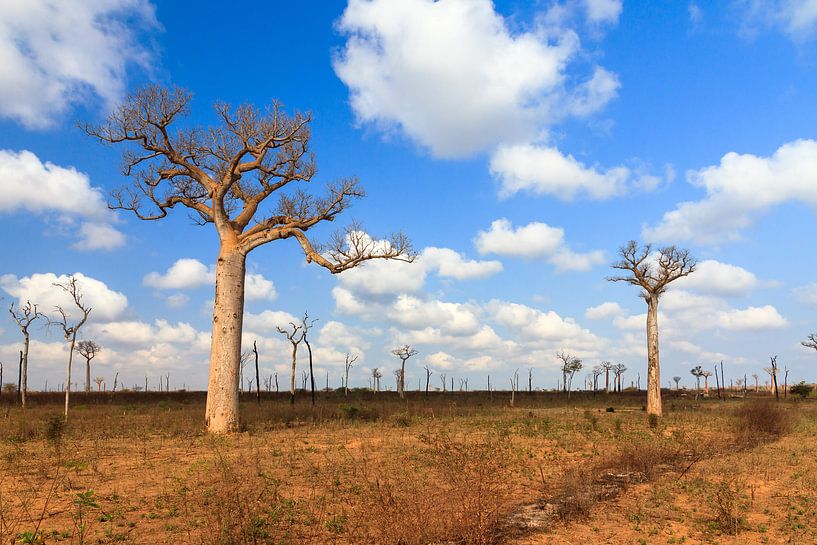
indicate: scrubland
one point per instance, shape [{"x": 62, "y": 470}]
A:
[{"x": 453, "y": 468}]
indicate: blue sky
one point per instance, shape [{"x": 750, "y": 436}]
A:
[{"x": 518, "y": 144}]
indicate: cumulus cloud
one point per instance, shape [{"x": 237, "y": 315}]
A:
[
  {"x": 603, "y": 311},
  {"x": 718, "y": 278},
  {"x": 796, "y": 18},
  {"x": 451, "y": 264},
  {"x": 39, "y": 288},
  {"x": 535, "y": 240},
  {"x": 55, "y": 54},
  {"x": 188, "y": 273},
  {"x": 738, "y": 191},
  {"x": 453, "y": 77},
  {"x": 806, "y": 294},
  {"x": 30, "y": 185},
  {"x": 454, "y": 318}
]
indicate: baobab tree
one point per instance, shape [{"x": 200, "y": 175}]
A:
[
  {"x": 24, "y": 316},
  {"x": 706, "y": 375},
  {"x": 677, "y": 381},
  {"x": 224, "y": 175},
  {"x": 757, "y": 384},
  {"x": 597, "y": 371},
  {"x": 88, "y": 350},
  {"x": 294, "y": 337},
  {"x": 653, "y": 276},
  {"x": 70, "y": 327},
  {"x": 570, "y": 365},
  {"x": 350, "y": 359},
  {"x": 697, "y": 372},
  {"x": 376, "y": 376},
  {"x": 99, "y": 381},
  {"x": 811, "y": 341},
  {"x": 606, "y": 366},
  {"x": 618, "y": 371},
  {"x": 403, "y": 352}
]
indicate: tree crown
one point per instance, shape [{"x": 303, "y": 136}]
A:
[{"x": 652, "y": 276}]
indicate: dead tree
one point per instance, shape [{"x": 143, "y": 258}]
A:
[
  {"x": 257, "y": 376},
  {"x": 811, "y": 341},
  {"x": 429, "y": 372},
  {"x": 304, "y": 380},
  {"x": 570, "y": 365},
  {"x": 276, "y": 382},
  {"x": 24, "y": 316},
  {"x": 89, "y": 350},
  {"x": 530, "y": 381},
  {"x": 70, "y": 327},
  {"x": 514, "y": 384},
  {"x": 306, "y": 325},
  {"x": 403, "y": 352},
  {"x": 443, "y": 377},
  {"x": 294, "y": 337},
  {"x": 348, "y": 365},
  {"x": 773, "y": 373},
  {"x": 224, "y": 175},
  {"x": 653, "y": 278}
]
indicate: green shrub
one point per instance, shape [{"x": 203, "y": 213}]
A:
[{"x": 802, "y": 389}]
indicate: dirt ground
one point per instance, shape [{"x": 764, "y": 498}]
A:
[{"x": 450, "y": 469}]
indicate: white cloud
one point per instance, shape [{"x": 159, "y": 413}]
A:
[
  {"x": 451, "y": 75},
  {"x": 718, "y": 278},
  {"x": 449, "y": 263},
  {"x": 54, "y": 54},
  {"x": 796, "y": 18},
  {"x": 533, "y": 324},
  {"x": 545, "y": 171},
  {"x": 257, "y": 287},
  {"x": 738, "y": 191},
  {"x": 185, "y": 273},
  {"x": 42, "y": 188},
  {"x": 453, "y": 318},
  {"x": 177, "y": 300},
  {"x": 603, "y": 11},
  {"x": 696, "y": 14},
  {"x": 383, "y": 277},
  {"x": 751, "y": 319},
  {"x": 534, "y": 240},
  {"x": 39, "y": 288},
  {"x": 592, "y": 95},
  {"x": 268, "y": 320},
  {"x": 604, "y": 311},
  {"x": 806, "y": 294}
]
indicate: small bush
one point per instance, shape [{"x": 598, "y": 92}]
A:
[
  {"x": 729, "y": 504},
  {"x": 801, "y": 389},
  {"x": 761, "y": 420},
  {"x": 54, "y": 428}
]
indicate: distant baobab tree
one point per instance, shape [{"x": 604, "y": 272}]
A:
[
  {"x": 697, "y": 372},
  {"x": 443, "y": 378},
  {"x": 677, "y": 381},
  {"x": 350, "y": 359},
  {"x": 70, "y": 328},
  {"x": 706, "y": 375},
  {"x": 618, "y": 371},
  {"x": 607, "y": 367},
  {"x": 24, "y": 316},
  {"x": 403, "y": 352},
  {"x": 294, "y": 337},
  {"x": 99, "y": 381},
  {"x": 597, "y": 371},
  {"x": 670, "y": 264},
  {"x": 224, "y": 174},
  {"x": 570, "y": 365},
  {"x": 376, "y": 376},
  {"x": 88, "y": 350},
  {"x": 757, "y": 385},
  {"x": 429, "y": 372}
]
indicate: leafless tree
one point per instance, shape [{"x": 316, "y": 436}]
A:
[
  {"x": 811, "y": 341},
  {"x": 698, "y": 372},
  {"x": 443, "y": 377},
  {"x": 570, "y": 365},
  {"x": 294, "y": 337},
  {"x": 350, "y": 359},
  {"x": 618, "y": 371},
  {"x": 607, "y": 367},
  {"x": 24, "y": 316},
  {"x": 224, "y": 175},
  {"x": 70, "y": 327},
  {"x": 514, "y": 384},
  {"x": 403, "y": 352},
  {"x": 706, "y": 375},
  {"x": 677, "y": 381},
  {"x": 257, "y": 376},
  {"x": 88, "y": 350},
  {"x": 757, "y": 385},
  {"x": 772, "y": 370},
  {"x": 306, "y": 325},
  {"x": 304, "y": 379},
  {"x": 670, "y": 264},
  {"x": 376, "y": 376},
  {"x": 429, "y": 372},
  {"x": 597, "y": 371},
  {"x": 99, "y": 381}
]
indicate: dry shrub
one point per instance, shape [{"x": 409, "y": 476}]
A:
[
  {"x": 231, "y": 502},
  {"x": 729, "y": 505},
  {"x": 456, "y": 491},
  {"x": 760, "y": 421}
]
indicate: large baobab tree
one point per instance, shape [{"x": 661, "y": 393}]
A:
[
  {"x": 89, "y": 350},
  {"x": 403, "y": 352},
  {"x": 225, "y": 175},
  {"x": 24, "y": 316},
  {"x": 697, "y": 372},
  {"x": 652, "y": 274},
  {"x": 618, "y": 370},
  {"x": 294, "y": 337},
  {"x": 70, "y": 327}
]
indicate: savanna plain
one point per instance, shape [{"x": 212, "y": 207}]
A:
[{"x": 447, "y": 468}]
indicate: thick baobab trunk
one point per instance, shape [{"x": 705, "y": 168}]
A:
[
  {"x": 653, "y": 370},
  {"x": 87, "y": 376},
  {"x": 68, "y": 373},
  {"x": 225, "y": 350},
  {"x": 402, "y": 383},
  {"x": 24, "y": 370}
]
